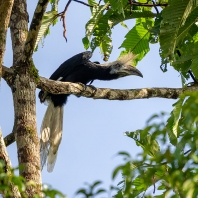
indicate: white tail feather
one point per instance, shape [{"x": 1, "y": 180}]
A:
[{"x": 51, "y": 135}]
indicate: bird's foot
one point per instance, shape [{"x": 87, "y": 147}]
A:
[
  {"x": 84, "y": 87},
  {"x": 94, "y": 88}
]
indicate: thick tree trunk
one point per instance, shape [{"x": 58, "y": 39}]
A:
[{"x": 24, "y": 88}]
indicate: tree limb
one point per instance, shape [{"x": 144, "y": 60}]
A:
[
  {"x": 18, "y": 28},
  {"x": 9, "y": 139},
  {"x": 79, "y": 89},
  {"x": 57, "y": 87},
  {"x": 34, "y": 29},
  {"x": 5, "y": 12},
  {"x": 4, "y": 156}
]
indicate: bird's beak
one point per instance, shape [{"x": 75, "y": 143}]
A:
[{"x": 130, "y": 70}]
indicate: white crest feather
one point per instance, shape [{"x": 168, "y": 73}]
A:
[{"x": 127, "y": 59}]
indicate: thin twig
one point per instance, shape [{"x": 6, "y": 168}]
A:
[
  {"x": 83, "y": 3},
  {"x": 154, "y": 181},
  {"x": 131, "y": 7},
  {"x": 148, "y": 5},
  {"x": 67, "y": 5},
  {"x": 189, "y": 71},
  {"x": 62, "y": 15},
  {"x": 188, "y": 151},
  {"x": 155, "y": 7}
]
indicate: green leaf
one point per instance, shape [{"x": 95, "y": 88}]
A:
[
  {"x": 123, "y": 25},
  {"x": 194, "y": 65},
  {"x": 116, "y": 18},
  {"x": 137, "y": 39},
  {"x": 47, "y": 20},
  {"x": 101, "y": 31},
  {"x": 54, "y": 4},
  {"x": 92, "y": 2},
  {"x": 95, "y": 184},
  {"x": 174, "y": 25},
  {"x": 86, "y": 43},
  {"x": 173, "y": 121},
  {"x": 124, "y": 154},
  {"x": 96, "y": 15},
  {"x": 116, "y": 170},
  {"x": 81, "y": 191},
  {"x": 118, "y": 5},
  {"x": 106, "y": 46},
  {"x": 99, "y": 191},
  {"x": 143, "y": 139}
]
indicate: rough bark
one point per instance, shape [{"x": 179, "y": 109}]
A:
[
  {"x": 4, "y": 157},
  {"x": 5, "y": 11},
  {"x": 18, "y": 28},
  {"x": 23, "y": 85},
  {"x": 34, "y": 29},
  {"x": 79, "y": 89},
  {"x": 57, "y": 87},
  {"x": 24, "y": 88}
]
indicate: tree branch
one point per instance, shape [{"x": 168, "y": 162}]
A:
[
  {"x": 9, "y": 139},
  {"x": 5, "y": 12},
  {"x": 4, "y": 156},
  {"x": 18, "y": 28},
  {"x": 62, "y": 15},
  {"x": 57, "y": 87},
  {"x": 34, "y": 29},
  {"x": 79, "y": 89}
]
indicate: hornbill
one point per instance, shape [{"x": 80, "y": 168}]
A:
[{"x": 76, "y": 69}]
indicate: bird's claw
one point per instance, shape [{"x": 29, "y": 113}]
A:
[
  {"x": 84, "y": 88},
  {"x": 94, "y": 88}
]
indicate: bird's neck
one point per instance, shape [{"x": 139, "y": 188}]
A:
[{"x": 103, "y": 73}]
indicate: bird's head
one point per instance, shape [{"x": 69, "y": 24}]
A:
[
  {"x": 123, "y": 70},
  {"x": 122, "y": 67}
]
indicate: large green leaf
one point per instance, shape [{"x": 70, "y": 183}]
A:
[
  {"x": 93, "y": 22},
  {"x": 47, "y": 20},
  {"x": 100, "y": 29},
  {"x": 175, "y": 25},
  {"x": 137, "y": 39}
]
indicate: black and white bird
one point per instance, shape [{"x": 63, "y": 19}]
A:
[{"x": 76, "y": 69}]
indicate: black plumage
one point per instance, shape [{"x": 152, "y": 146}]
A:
[{"x": 76, "y": 69}]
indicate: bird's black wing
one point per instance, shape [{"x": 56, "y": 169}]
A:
[{"x": 70, "y": 65}]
